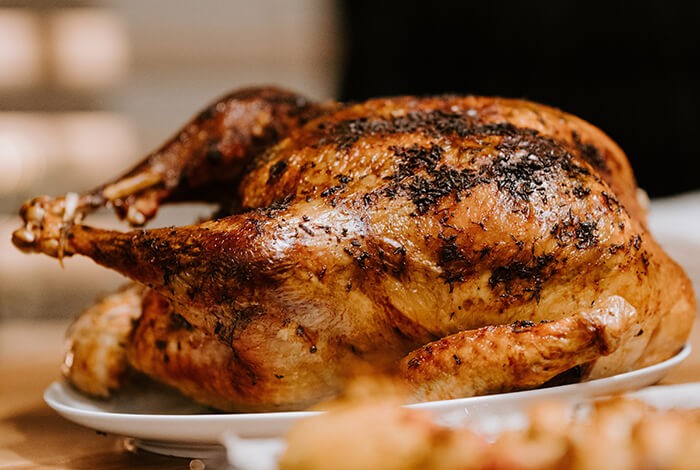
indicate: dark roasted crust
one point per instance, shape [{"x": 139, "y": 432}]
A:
[{"x": 447, "y": 122}]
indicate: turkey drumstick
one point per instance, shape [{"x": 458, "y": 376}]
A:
[{"x": 203, "y": 161}]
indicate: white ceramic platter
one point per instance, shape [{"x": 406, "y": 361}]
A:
[{"x": 162, "y": 421}]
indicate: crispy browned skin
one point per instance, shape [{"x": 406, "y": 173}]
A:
[
  {"x": 376, "y": 228},
  {"x": 96, "y": 342},
  {"x": 518, "y": 356}
]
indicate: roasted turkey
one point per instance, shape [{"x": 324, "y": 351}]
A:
[{"x": 464, "y": 245}]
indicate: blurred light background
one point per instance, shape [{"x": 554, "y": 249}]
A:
[{"x": 88, "y": 87}]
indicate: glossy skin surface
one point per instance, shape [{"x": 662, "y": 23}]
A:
[{"x": 361, "y": 232}]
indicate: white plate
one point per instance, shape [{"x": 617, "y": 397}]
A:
[{"x": 164, "y": 422}]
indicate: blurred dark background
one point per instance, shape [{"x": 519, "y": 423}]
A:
[{"x": 629, "y": 69}]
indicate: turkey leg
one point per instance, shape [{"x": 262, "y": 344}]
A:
[
  {"x": 204, "y": 161},
  {"x": 202, "y": 264}
]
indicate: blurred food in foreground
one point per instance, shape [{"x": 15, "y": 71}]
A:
[{"x": 369, "y": 429}]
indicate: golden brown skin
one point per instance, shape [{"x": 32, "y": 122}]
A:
[
  {"x": 373, "y": 229},
  {"x": 96, "y": 342},
  {"x": 518, "y": 356}
]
